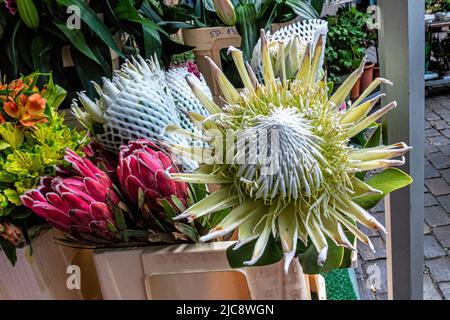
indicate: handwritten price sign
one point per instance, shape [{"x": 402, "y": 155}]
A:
[{"x": 216, "y": 33}]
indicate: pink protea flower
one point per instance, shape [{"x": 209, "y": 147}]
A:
[
  {"x": 79, "y": 204},
  {"x": 11, "y": 6},
  {"x": 143, "y": 165},
  {"x": 103, "y": 159}
]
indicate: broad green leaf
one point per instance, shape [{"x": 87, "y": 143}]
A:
[
  {"x": 13, "y": 46},
  {"x": 129, "y": 233},
  {"x": 187, "y": 230},
  {"x": 9, "y": 250},
  {"x": 54, "y": 94},
  {"x": 217, "y": 217},
  {"x": 12, "y": 196},
  {"x": 386, "y": 181},
  {"x": 247, "y": 26},
  {"x": 125, "y": 10},
  {"x": 302, "y": 9},
  {"x": 177, "y": 202},
  {"x": 317, "y": 5},
  {"x": 92, "y": 20},
  {"x": 375, "y": 138},
  {"x": 76, "y": 38},
  {"x": 170, "y": 213},
  {"x": 308, "y": 258},
  {"x": 4, "y": 145},
  {"x": 87, "y": 70},
  {"x": 39, "y": 47},
  {"x": 272, "y": 254}
]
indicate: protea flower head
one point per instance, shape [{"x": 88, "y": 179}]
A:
[
  {"x": 144, "y": 166},
  {"x": 291, "y": 172},
  {"x": 141, "y": 101},
  {"x": 289, "y": 46},
  {"x": 79, "y": 204}
]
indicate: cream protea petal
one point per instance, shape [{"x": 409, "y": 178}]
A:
[
  {"x": 251, "y": 228},
  {"x": 295, "y": 40},
  {"x": 288, "y": 170},
  {"x": 262, "y": 240},
  {"x": 360, "y": 215},
  {"x": 370, "y": 119},
  {"x": 287, "y": 226},
  {"x": 356, "y": 114},
  {"x": 218, "y": 200},
  {"x": 200, "y": 178},
  {"x": 377, "y": 164},
  {"x": 238, "y": 59},
  {"x": 318, "y": 239},
  {"x": 231, "y": 95},
  {"x": 344, "y": 90},
  {"x": 353, "y": 229},
  {"x": 361, "y": 189},
  {"x": 382, "y": 152},
  {"x": 375, "y": 83},
  {"x": 91, "y": 107},
  {"x": 202, "y": 96},
  {"x": 315, "y": 64},
  {"x": 268, "y": 74},
  {"x": 233, "y": 220},
  {"x": 333, "y": 229}
]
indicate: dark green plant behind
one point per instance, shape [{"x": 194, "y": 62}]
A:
[
  {"x": 34, "y": 42},
  {"x": 348, "y": 38},
  {"x": 440, "y": 51},
  {"x": 433, "y": 6}
]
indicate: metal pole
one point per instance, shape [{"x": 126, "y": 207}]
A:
[{"x": 402, "y": 42}]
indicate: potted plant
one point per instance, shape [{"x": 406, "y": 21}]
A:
[
  {"x": 33, "y": 139},
  {"x": 440, "y": 54},
  {"x": 348, "y": 41}
]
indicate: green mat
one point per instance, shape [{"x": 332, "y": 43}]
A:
[{"x": 341, "y": 285}]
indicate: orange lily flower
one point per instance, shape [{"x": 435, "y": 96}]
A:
[{"x": 28, "y": 110}]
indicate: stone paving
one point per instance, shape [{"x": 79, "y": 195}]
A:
[{"x": 436, "y": 281}]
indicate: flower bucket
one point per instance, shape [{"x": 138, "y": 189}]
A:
[
  {"x": 354, "y": 94},
  {"x": 193, "y": 272},
  {"x": 367, "y": 76},
  {"x": 376, "y": 71},
  {"x": 40, "y": 276},
  {"x": 209, "y": 42}
]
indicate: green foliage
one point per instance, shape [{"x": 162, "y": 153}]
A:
[
  {"x": 103, "y": 25},
  {"x": 237, "y": 257},
  {"x": 252, "y": 16},
  {"x": 30, "y": 152},
  {"x": 440, "y": 52},
  {"x": 347, "y": 41},
  {"x": 387, "y": 181},
  {"x": 433, "y": 6}
]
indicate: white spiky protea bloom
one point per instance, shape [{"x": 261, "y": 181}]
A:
[
  {"x": 309, "y": 195},
  {"x": 289, "y": 45},
  {"x": 142, "y": 101}
]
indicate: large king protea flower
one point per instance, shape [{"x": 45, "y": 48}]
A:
[
  {"x": 141, "y": 101},
  {"x": 287, "y": 168}
]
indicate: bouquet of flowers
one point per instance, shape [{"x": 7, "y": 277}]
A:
[{"x": 32, "y": 141}]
